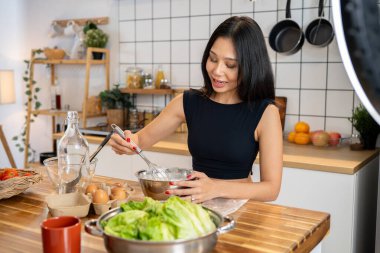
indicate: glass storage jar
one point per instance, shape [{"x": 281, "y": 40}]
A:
[
  {"x": 134, "y": 78},
  {"x": 133, "y": 118}
]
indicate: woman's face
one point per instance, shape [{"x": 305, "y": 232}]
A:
[{"x": 222, "y": 66}]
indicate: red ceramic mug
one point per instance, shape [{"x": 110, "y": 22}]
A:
[{"x": 61, "y": 234}]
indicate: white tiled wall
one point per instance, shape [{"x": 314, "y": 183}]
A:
[{"x": 174, "y": 33}]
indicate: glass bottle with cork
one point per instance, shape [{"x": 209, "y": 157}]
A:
[{"x": 73, "y": 152}]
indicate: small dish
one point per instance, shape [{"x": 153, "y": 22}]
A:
[{"x": 70, "y": 204}]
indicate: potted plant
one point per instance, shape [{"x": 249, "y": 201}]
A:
[
  {"x": 116, "y": 105},
  {"x": 96, "y": 38},
  {"x": 366, "y": 126}
]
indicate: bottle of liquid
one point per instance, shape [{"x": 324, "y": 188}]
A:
[
  {"x": 57, "y": 94},
  {"x": 159, "y": 76},
  {"x": 52, "y": 96},
  {"x": 73, "y": 152}
]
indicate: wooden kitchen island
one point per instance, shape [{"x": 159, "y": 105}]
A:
[{"x": 260, "y": 227}]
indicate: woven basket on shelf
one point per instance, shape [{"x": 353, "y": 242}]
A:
[
  {"x": 54, "y": 53},
  {"x": 17, "y": 185}
]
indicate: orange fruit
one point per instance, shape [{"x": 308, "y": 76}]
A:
[
  {"x": 302, "y": 138},
  {"x": 291, "y": 136},
  {"x": 302, "y": 127}
]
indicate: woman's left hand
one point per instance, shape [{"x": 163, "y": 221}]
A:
[{"x": 200, "y": 187}]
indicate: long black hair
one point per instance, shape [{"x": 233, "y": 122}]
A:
[{"x": 255, "y": 77}]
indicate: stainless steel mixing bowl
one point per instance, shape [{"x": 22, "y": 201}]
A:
[
  {"x": 156, "y": 188},
  {"x": 200, "y": 244}
]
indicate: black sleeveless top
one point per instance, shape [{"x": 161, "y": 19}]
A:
[{"x": 221, "y": 136}]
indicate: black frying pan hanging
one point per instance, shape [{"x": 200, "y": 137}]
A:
[
  {"x": 320, "y": 31},
  {"x": 286, "y": 37}
]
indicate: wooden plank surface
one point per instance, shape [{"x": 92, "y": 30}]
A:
[{"x": 260, "y": 227}]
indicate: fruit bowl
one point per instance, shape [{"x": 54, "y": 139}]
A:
[{"x": 18, "y": 184}]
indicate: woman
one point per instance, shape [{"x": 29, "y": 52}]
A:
[{"x": 229, "y": 119}]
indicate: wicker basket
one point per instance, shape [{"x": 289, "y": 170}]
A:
[
  {"x": 54, "y": 53},
  {"x": 17, "y": 185}
]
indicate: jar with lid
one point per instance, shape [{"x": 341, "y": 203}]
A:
[
  {"x": 134, "y": 78},
  {"x": 147, "y": 82},
  {"x": 133, "y": 118}
]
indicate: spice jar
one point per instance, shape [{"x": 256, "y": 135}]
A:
[{"x": 134, "y": 78}]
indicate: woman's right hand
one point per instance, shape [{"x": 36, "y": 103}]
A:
[{"x": 122, "y": 146}]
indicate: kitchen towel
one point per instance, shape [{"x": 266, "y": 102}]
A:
[{"x": 224, "y": 206}]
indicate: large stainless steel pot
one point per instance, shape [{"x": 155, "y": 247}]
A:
[{"x": 201, "y": 244}]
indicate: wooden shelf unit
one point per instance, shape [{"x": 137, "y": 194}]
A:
[{"x": 88, "y": 62}]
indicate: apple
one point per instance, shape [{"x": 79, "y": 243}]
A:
[
  {"x": 320, "y": 138},
  {"x": 334, "y": 138},
  {"x": 314, "y": 132}
]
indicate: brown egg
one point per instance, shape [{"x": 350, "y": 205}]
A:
[
  {"x": 118, "y": 193},
  {"x": 91, "y": 188},
  {"x": 116, "y": 189},
  {"x": 100, "y": 197},
  {"x": 117, "y": 184}
]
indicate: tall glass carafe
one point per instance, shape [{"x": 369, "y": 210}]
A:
[{"x": 73, "y": 152}]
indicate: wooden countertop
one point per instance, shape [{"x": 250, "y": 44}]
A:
[
  {"x": 330, "y": 159},
  {"x": 260, "y": 227}
]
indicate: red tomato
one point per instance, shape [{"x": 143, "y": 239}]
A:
[
  {"x": 6, "y": 178},
  {"x": 9, "y": 173}
]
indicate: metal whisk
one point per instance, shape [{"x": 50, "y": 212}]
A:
[{"x": 157, "y": 172}]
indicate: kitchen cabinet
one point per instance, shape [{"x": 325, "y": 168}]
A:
[
  {"x": 350, "y": 200},
  {"x": 88, "y": 62}
]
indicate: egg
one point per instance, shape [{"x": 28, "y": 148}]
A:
[
  {"x": 100, "y": 197},
  {"x": 118, "y": 193},
  {"x": 116, "y": 189},
  {"x": 117, "y": 184},
  {"x": 91, "y": 188}
]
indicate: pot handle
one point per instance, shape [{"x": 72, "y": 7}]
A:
[
  {"x": 90, "y": 227},
  {"x": 228, "y": 227}
]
